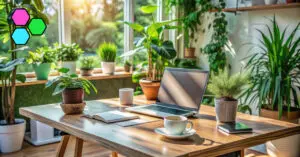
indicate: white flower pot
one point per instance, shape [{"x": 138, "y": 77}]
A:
[
  {"x": 108, "y": 67},
  {"x": 270, "y": 2},
  {"x": 284, "y": 147},
  {"x": 225, "y": 110},
  {"x": 11, "y": 136},
  {"x": 71, "y": 65}
]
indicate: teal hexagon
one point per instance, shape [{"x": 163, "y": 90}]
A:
[
  {"x": 37, "y": 26},
  {"x": 20, "y": 36}
]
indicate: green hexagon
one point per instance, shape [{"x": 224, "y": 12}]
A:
[{"x": 37, "y": 26}]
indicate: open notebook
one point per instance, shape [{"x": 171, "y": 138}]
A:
[{"x": 113, "y": 116}]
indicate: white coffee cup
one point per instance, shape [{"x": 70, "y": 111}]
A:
[
  {"x": 177, "y": 125},
  {"x": 126, "y": 96}
]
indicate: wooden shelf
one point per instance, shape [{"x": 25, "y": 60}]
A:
[{"x": 262, "y": 7}]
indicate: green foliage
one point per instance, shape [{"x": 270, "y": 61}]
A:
[
  {"x": 222, "y": 85},
  {"x": 68, "y": 52},
  {"x": 88, "y": 62},
  {"x": 70, "y": 81},
  {"x": 42, "y": 55},
  {"x": 186, "y": 63},
  {"x": 275, "y": 69},
  {"x": 128, "y": 63},
  {"x": 107, "y": 52}
]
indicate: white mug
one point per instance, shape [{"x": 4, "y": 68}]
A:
[
  {"x": 126, "y": 96},
  {"x": 177, "y": 125}
]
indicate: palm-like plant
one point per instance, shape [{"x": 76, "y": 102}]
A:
[{"x": 275, "y": 70}]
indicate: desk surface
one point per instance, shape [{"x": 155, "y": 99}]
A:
[{"x": 141, "y": 140}]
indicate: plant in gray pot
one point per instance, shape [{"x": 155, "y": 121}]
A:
[
  {"x": 226, "y": 88},
  {"x": 87, "y": 65}
]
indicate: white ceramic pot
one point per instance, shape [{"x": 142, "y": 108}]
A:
[
  {"x": 71, "y": 65},
  {"x": 270, "y": 2},
  {"x": 284, "y": 147},
  {"x": 11, "y": 136},
  {"x": 108, "y": 67},
  {"x": 225, "y": 110}
]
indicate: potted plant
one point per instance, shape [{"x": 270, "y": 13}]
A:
[
  {"x": 108, "y": 54},
  {"x": 11, "y": 130},
  {"x": 159, "y": 52},
  {"x": 87, "y": 64},
  {"x": 69, "y": 54},
  {"x": 42, "y": 59},
  {"x": 275, "y": 82},
  {"x": 72, "y": 88},
  {"x": 226, "y": 88},
  {"x": 127, "y": 66}
]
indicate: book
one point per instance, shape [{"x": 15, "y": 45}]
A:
[
  {"x": 113, "y": 116},
  {"x": 234, "y": 128}
]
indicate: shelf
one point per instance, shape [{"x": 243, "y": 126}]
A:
[{"x": 262, "y": 7}]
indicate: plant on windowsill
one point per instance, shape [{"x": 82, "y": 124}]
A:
[
  {"x": 127, "y": 66},
  {"x": 68, "y": 54},
  {"x": 226, "y": 88},
  {"x": 87, "y": 65},
  {"x": 159, "y": 52},
  {"x": 42, "y": 60},
  {"x": 107, "y": 53},
  {"x": 72, "y": 88}
]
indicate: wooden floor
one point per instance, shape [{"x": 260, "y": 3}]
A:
[{"x": 89, "y": 150}]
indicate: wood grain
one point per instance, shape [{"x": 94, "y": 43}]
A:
[
  {"x": 140, "y": 140},
  {"x": 62, "y": 146}
]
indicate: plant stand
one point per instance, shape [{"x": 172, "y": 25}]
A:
[{"x": 41, "y": 134}]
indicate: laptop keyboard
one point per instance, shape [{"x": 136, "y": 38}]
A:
[{"x": 165, "y": 110}]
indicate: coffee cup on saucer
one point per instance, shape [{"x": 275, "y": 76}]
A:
[{"x": 177, "y": 125}]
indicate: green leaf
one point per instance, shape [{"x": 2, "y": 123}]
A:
[
  {"x": 148, "y": 9},
  {"x": 21, "y": 78},
  {"x": 135, "y": 26},
  {"x": 59, "y": 89},
  {"x": 166, "y": 50},
  {"x": 39, "y": 4},
  {"x": 63, "y": 70}
]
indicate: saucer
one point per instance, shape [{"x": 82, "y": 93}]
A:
[{"x": 164, "y": 132}]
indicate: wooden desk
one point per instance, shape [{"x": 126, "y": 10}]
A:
[{"x": 140, "y": 140}]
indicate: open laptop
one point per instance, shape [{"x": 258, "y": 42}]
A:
[{"x": 180, "y": 93}]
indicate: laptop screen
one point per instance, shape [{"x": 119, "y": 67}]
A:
[{"x": 183, "y": 88}]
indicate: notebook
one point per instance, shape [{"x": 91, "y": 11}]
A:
[
  {"x": 113, "y": 116},
  {"x": 234, "y": 128}
]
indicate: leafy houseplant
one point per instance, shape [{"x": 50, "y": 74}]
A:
[
  {"x": 42, "y": 59},
  {"x": 108, "y": 54},
  {"x": 72, "y": 88},
  {"x": 87, "y": 65},
  {"x": 159, "y": 52},
  {"x": 69, "y": 54},
  {"x": 127, "y": 66},
  {"x": 226, "y": 88}
]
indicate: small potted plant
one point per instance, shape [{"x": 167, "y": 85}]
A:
[
  {"x": 69, "y": 54},
  {"x": 226, "y": 88},
  {"x": 87, "y": 64},
  {"x": 41, "y": 60},
  {"x": 127, "y": 66},
  {"x": 72, "y": 88},
  {"x": 107, "y": 53}
]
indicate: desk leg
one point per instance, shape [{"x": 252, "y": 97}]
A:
[
  {"x": 114, "y": 154},
  {"x": 242, "y": 153},
  {"x": 62, "y": 146},
  {"x": 78, "y": 147}
]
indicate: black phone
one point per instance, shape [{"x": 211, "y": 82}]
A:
[{"x": 235, "y": 128}]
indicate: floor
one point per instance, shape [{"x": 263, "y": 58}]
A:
[{"x": 89, "y": 150}]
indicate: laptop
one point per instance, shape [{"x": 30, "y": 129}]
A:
[{"x": 180, "y": 93}]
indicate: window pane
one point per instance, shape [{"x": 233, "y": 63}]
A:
[{"x": 97, "y": 21}]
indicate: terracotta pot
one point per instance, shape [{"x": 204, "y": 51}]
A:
[
  {"x": 127, "y": 68},
  {"x": 86, "y": 72},
  {"x": 150, "y": 89},
  {"x": 73, "y": 108},
  {"x": 73, "y": 96},
  {"x": 288, "y": 146},
  {"x": 226, "y": 110},
  {"x": 189, "y": 53}
]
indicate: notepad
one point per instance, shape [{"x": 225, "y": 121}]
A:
[{"x": 113, "y": 116}]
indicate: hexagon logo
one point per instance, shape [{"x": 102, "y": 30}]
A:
[
  {"x": 37, "y": 26},
  {"x": 20, "y": 17},
  {"x": 20, "y": 36}
]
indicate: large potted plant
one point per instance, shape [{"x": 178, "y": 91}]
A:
[
  {"x": 87, "y": 65},
  {"x": 107, "y": 53},
  {"x": 42, "y": 59},
  {"x": 275, "y": 68},
  {"x": 226, "y": 88},
  {"x": 69, "y": 54},
  {"x": 159, "y": 52},
  {"x": 72, "y": 88}
]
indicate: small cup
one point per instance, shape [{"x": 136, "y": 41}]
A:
[
  {"x": 177, "y": 125},
  {"x": 126, "y": 96}
]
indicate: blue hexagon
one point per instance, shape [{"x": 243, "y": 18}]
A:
[{"x": 20, "y": 36}]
